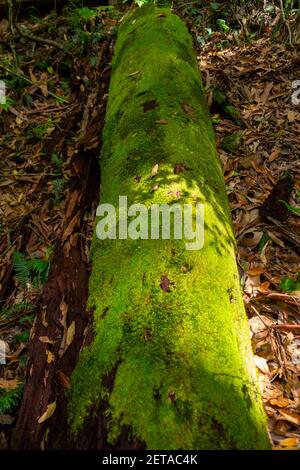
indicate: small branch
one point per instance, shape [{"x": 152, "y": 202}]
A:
[
  {"x": 35, "y": 38},
  {"x": 286, "y": 326},
  {"x": 259, "y": 316},
  {"x": 286, "y": 22},
  {"x": 23, "y": 77},
  {"x": 12, "y": 29},
  {"x": 32, "y": 37}
]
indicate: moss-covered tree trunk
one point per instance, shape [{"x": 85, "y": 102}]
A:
[{"x": 171, "y": 361}]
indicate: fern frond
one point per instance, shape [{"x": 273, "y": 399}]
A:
[
  {"x": 17, "y": 308},
  {"x": 40, "y": 269},
  {"x": 9, "y": 400},
  {"x": 22, "y": 268}
]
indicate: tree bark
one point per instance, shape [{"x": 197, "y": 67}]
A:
[{"x": 171, "y": 365}]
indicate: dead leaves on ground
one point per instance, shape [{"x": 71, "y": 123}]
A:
[{"x": 257, "y": 80}]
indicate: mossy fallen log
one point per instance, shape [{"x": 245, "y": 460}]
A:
[{"x": 171, "y": 361}]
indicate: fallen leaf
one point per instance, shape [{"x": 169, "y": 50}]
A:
[
  {"x": 281, "y": 402},
  {"x": 265, "y": 95},
  {"x": 264, "y": 287},
  {"x": 9, "y": 384},
  {"x": 154, "y": 170},
  {"x": 292, "y": 116},
  {"x": 188, "y": 109},
  {"x": 256, "y": 271},
  {"x": 165, "y": 283},
  {"x": 64, "y": 310},
  {"x": 70, "y": 334},
  {"x": 45, "y": 339},
  {"x": 43, "y": 85},
  {"x": 261, "y": 364},
  {"x": 50, "y": 356},
  {"x": 289, "y": 442},
  {"x": 290, "y": 417},
  {"x": 154, "y": 188},
  {"x": 48, "y": 413},
  {"x": 64, "y": 380},
  {"x": 274, "y": 155},
  {"x": 70, "y": 227},
  {"x": 150, "y": 105},
  {"x": 251, "y": 239},
  {"x": 6, "y": 420},
  {"x": 179, "y": 168}
]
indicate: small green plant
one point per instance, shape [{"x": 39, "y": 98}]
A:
[
  {"x": 81, "y": 16},
  {"x": 38, "y": 132},
  {"x": 262, "y": 243},
  {"x": 33, "y": 272},
  {"x": 215, "y": 6},
  {"x": 289, "y": 285},
  {"x": 223, "y": 26},
  {"x": 57, "y": 162},
  {"x": 8, "y": 103},
  {"x": 293, "y": 209},
  {"x": 9, "y": 400},
  {"x": 11, "y": 310},
  {"x": 58, "y": 189}
]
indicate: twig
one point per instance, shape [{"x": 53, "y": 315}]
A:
[
  {"x": 287, "y": 233},
  {"x": 15, "y": 27},
  {"x": 23, "y": 77},
  {"x": 12, "y": 30},
  {"x": 259, "y": 316},
  {"x": 286, "y": 326},
  {"x": 33, "y": 37},
  {"x": 286, "y": 22},
  {"x": 289, "y": 299}
]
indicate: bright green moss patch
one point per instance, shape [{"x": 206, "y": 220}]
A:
[{"x": 180, "y": 357}]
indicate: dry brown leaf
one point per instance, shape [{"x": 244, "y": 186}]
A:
[
  {"x": 9, "y": 384},
  {"x": 293, "y": 418},
  {"x": 264, "y": 287},
  {"x": 45, "y": 339},
  {"x": 161, "y": 121},
  {"x": 70, "y": 227},
  {"x": 64, "y": 310},
  {"x": 256, "y": 271},
  {"x": 274, "y": 155},
  {"x": 265, "y": 95},
  {"x": 48, "y": 413},
  {"x": 261, "y": 364},
  {"x": 289, "y": 442},
  {"x": 281, "y": 402},
  {"x": 188, "y": 109},
  {"x": 50, "y": 356},
  {"x": 154, "y": 170},
  {"x": 251, "y": 239},
  {"x": 70, "y": 334},
  {"x": 292, "y": 116},
  {"x": 43, "y": 85},
  {"x": 64, "y": 380}
]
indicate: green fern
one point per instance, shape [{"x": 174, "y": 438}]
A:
[
  {"x": 7, "y": 312},
  {"x": 22, "y": 269},
  {"x": 58, "y": 189},
  {"x": 10, "y": 399},
  {"x": 34, "y": 271},
  {"x": 40, "y": 270}
]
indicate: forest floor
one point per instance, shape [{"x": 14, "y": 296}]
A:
[{"x": 50, "y": 137}]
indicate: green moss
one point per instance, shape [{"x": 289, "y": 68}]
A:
[
  {"x": 231, "y": 143},
  {"x": 181, "y": 360}
]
